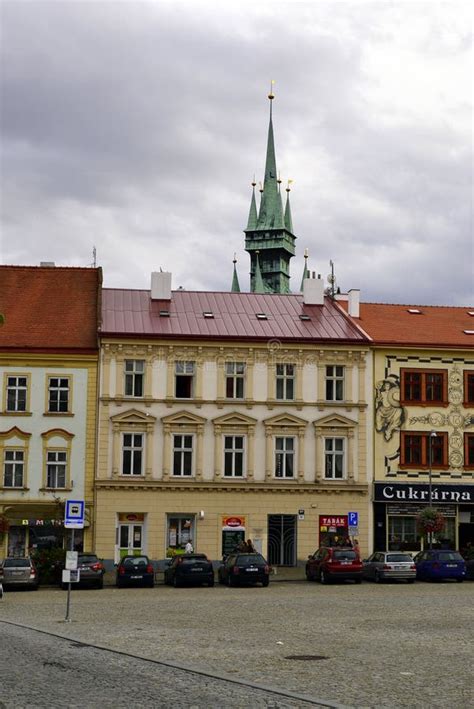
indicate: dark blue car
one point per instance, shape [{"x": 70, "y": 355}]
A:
[{"x": 438, "y": 564}]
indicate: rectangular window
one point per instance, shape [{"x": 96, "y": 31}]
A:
[
  {"x": 234, "y": 380},
  {"x": 58, "y": 393},
  {"x": 233, "y": 456},
  {"x": 13, "y": 468},
  {"x": 334, "y": 383},
  {"x": 183, "y": 455},
  {"x": 469, "y": 450},
  {"x": 132, "y": 454},
  {"x": 415, "y": 450},
  {"x": 17, "y": 388},
  {"x": 56, "y": 462},
  {"x": 285, "y": 382},
  {"x": 284, "y": 457},
  {"x": 134, "y": 376},
  {"x": 468, "y": 388},
  {"x": 403, "y": 534},
  {"x": 334, "y": 458},
  {"x": 424, "y": 386},
  {"x": 184, "y": 380}
]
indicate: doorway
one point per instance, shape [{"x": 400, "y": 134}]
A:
[
  {"x": 130, "y": 538},
  {"x": 282, "y": 540}
]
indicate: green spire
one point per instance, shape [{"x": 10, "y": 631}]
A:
[
  {"x": 270, "y": 215},
  {"x": 305, "y": 269},
  {"x": 259, "y": 286},
  {"x": 252, "y": 220},
  {"x": 288, "y": 219},
  {"x": 235, "y": 279}
]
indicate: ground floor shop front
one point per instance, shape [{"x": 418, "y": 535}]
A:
[
  {"x": 284, "y": 526},
  {"x": 397, "y": 505}
]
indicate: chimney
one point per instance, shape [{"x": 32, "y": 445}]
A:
[
  {"x": 313, "y": 290},
  {"x": 161, "y": 285},
  {"x": 353, "y": 304}
]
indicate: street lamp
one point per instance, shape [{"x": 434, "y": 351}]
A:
[{"x": 430, "y": 463}]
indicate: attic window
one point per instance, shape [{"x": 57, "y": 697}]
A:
[
  {"x": 303, "y": 316},
  {"x": 414, "y": 311},
  {"x": 468, "y": 332},
  {"x": 261, "y": 316},
  {"x": 208, "y": 314},
  {"x": 164, "y": 313}
]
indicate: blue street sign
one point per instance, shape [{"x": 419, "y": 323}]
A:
[
  {"x": 353, "y": 519},
  {"x": 74, "y": 515}
]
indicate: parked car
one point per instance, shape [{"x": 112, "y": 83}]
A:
[
  {"x": 438, "y": 564},
  {"x": 91, "y": 571},
  {"x": 189, "y": 569},
  {"x": 469, "y": 568},
  {"x": 334, "y": 564},
  {"x": 18, "y": 572},
  {"x": 239, "y": 569},
  {"x": 386, "y": 565},
  {"x": 135, "y": 571}
]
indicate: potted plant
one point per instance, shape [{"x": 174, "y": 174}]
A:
[{"x": 430, "y": 521}]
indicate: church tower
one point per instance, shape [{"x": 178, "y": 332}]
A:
[{"x": 269, "y": 237}]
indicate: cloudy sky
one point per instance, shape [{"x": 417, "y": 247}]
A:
[{"x": 136, "y": 127}]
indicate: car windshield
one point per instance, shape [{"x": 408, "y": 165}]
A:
[
  {"x": 344, "y": 554},
  {"x": 193, "y": 560},
  {"x": 251, "y": 559},
  {"x": 399, "y": 557},
  {"x": 87, "y": 558},
  {"x": 135, "y": 561},
  {"x": 449, "y": 556},
  {"x": 16, "y": 563}
]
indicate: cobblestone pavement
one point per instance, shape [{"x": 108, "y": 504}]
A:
[{"x": 391, "y": 645}]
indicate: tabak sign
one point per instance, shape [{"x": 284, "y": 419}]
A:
[
  {"x": 332, "y": 523},
  {"x": 233, "y": 523}
]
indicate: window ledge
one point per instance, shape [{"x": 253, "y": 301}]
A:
[
  {"x": 57, "y": 413},
  {"x": 16, "y": 413},
  {"x": 55, "y": 489},
  {"x": 6, "y": 488}
]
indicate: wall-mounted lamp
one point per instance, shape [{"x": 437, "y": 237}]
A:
[{"x": 201, "y": 514}]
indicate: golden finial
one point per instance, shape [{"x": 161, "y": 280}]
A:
[
  {"x": 260, "y": 187},
  {"x": 235, "y": 259},
  {"x": 253, "y": 181},
  {"x": 279, "y": 178},
  {"x": 271, "y": 95},
  {"x": 288, "y": 188},
  {"x": 306, "y": 253}
]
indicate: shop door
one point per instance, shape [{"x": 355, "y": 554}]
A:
[
  {"x": 282, "y": 540},
  {"x": 130, "y": 540}
]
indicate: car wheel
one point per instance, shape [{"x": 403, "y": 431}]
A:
[
  {"x": 100, "y": 584},
  {"x": 176, "y": 583},
  {"x": 265, "y": 583},
  {"x": 230, "y": 581},
  {"x": 377, "y": 577},
  {"x": 323, "y": 577},
  {"x": 211, "y": 583},
  {"x": 309, "y": 577}
]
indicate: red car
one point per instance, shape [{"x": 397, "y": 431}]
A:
[{"x": 334, "y": 564}]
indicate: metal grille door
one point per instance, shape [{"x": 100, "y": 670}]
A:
[{"x": 282, "y": 540}]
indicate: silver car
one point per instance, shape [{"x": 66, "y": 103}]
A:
[
  {"x": 385, "y": 565},
  {"x": 18, "y": 571}
]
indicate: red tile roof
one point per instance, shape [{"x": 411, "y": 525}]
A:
[
  {"x": 434, "y": 326},
  {"x": 132, "y": 313},
  {"x": 49, "y": 308}
]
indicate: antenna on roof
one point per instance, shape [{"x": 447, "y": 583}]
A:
[{"x": 332, "y": 281}]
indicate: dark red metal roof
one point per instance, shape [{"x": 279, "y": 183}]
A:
[{"x": 132, "y": 313}]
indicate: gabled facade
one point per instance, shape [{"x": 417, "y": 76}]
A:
[
  {"x": 229, "y": 414},
  {"x": 423, "y": 379},
  {"x": 48, "y": 379}
]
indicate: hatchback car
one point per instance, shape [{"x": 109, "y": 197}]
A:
[
  {"x": 334, "y": 564},
  {"x": 18, "y": 572},
  {"x": 386, "y": 565},
  {"x": 240, "y": 569},
  {"x": 91, "y": 571},
  {"x": 189, "y": 569},
  {"x": 438, "y": 564},
  {"x": 135, "y": 571}
]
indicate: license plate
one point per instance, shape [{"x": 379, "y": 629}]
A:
[
  {"x": 399, "y": 568},
  {"x": 452, "y": 566},
  {"x": 197, "y": 568},
  {"x": 345, "y": 562},
  {"x": 251, "y": 569},
  {"x": 136, "y": 577},
  {"x": 17, "y": 573}
]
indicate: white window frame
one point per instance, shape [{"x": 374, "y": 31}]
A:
[
  {"x": 17, "y": 465},
  {"x": 284, "y": 452},
  {"x": 134, "y": 371},
  {"x": 283, "y": 377},
  {"x": 235, "y": 380},
  {"x": 135, "y": 449},
  {"x": 335, "y": 382},
  {"x": 331, "y": 454},
  {"x": 232, "y": 452},
  {"x": 56, "y": 465},
  {"x": 185, "y": 368},
  {"x": 54, "y": 406},
  {"x": 17, "y": 388},
  {"x": 183, "y": 449}
]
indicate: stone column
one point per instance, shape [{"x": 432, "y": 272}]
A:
[
  {"x": 217, "y": 451},
  {"x": 149, "y": 451},
  {"x": 199, "y": 452},
  {"x": 268, "y": 454},
  {"x": 166, "y": 451},
  {"x": 250, "y": 452},
  {"x": 301, "y": 452},
  {"x": 116, "y": 449}
]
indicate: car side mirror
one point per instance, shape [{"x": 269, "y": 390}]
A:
[{"x": 310, "y": 556}]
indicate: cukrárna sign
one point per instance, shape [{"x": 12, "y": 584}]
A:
[{"x": 449, "y": 494}]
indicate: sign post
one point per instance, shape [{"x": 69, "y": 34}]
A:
[{"x": 73, "y": 519}]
